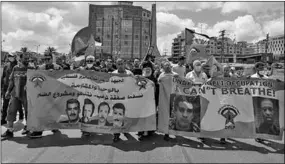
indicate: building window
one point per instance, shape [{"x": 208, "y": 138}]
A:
[
  {"x": 108, "y": 36},
  {"x": 137, "y": 36},
  {"x": 126, "y": 42},
  {"x": 98, "y": 30},
  {"x": 144, "y": 14},
  {"x": 146, "y": 37},
  {"x": 126, "y": 36}
]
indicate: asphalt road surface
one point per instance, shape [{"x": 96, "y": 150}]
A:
[{"x": 67, "y": 146}]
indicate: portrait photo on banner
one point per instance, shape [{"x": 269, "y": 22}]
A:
[
  {"x": 266, "y": 113},
  {"x": 184, "y": 113},
  {"x": 87, "y": 111}
]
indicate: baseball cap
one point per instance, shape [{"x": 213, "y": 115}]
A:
[
  {"x": 259, "y": 65},
  {"x": 90, "y": 57}
]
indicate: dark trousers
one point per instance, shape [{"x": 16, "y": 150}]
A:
[
  {"x": 4, "y": 108},
  {"x": 117, "y": 134},
  {"x": 16, "y": 104}
]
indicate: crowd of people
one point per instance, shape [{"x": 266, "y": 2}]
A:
[{"x": 13, "y": 82}]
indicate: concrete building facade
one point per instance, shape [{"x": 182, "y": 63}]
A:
[
  {"x": 123, "y": 29},
  {"x": 276, "y": 46}
]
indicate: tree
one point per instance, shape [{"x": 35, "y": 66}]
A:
[
  {"x": 24, "y": 49},
  {"x": 50, "y": 51}
]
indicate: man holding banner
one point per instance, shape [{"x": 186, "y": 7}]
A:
[{"x": 121, "y": 69}]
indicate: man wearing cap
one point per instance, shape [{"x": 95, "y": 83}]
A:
[
  {"x": 89, "y": 64},
  {"x": 7, "y": 70},
  {"x": 197, "y": 75},
  {"x": 136, "y": 69},
  {"x": 180, "y": 68},
  {"x": 259, "y": 71},
  {"x": 17, "y": 91}
]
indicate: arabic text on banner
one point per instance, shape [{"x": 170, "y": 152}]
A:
[{"x": 92, "y": 101}]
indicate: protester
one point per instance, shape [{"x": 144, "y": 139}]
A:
[
  {"x": 197, "y": 75},
  {"x": 167, "y": 71},
  {"x": 7, "y": 70},
  {"x": 63, "y": 63},
  {"x": 89, "y": 64},
  {"x": 17, "y": 91},
  {"x": 109, "y": 67},
  {"x": 48, "y": 65},
  {"x": 260, "y": 74},
  {"x": 148, "y": 72},
  {"x": 180, "y": 68},
  {"x": 136, "y": 69},
  {"x": 121, "y": 70}
]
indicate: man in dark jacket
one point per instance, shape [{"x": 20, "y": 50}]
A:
[
  {"x": 7, "y": 70},
  {"x": 17, "y": 91}
]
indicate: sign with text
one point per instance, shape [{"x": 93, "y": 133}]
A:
[
  {"x": 223, "y": 107},
  {"x": 91, "y": 101}
]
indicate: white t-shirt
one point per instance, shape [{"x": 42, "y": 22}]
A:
[
  {"x": 201, "y": 79},
  {"x": 180, "y": 70},
  {"x": 163, "y": 74}
]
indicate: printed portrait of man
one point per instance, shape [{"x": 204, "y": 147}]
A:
[
  {"x": 118, "y": 114},
  {"x": 269, "y": 114},
  {"x": 103, "y": 112},
  {"x": 88, "y": 110},
  {"x": 72, "y": 111},
  {"x": 183, "y": 114}
]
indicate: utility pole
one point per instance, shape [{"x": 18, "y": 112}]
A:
[
  {"x": 222, "y": 35},
  {"x": 266, "y": 46}
]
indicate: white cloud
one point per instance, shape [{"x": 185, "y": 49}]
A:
[
  {"x": 274, "y": 27},
  {"x": 252, "y": 7},
  {"x": 22, "y": 27}
]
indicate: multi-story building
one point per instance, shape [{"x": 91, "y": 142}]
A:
[
  {"x": 123, "y": 29},
  {"x": 276, "y": 46},
  {"x": 176, "y": 48}
]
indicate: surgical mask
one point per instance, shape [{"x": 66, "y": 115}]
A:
[
  {"x": 262, "y": 72},
  {"x": 89, "y": 65},
  {"x": 147, "y": 72},
  {"x": 31, "y": 64}
]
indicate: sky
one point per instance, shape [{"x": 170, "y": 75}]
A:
[{"x": 28, "y": 24}]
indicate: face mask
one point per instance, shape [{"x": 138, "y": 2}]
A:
[
  {"x": 89, "y": 65},
  {"x": 147, "y": 72},
  {"x": 262, "y": 72},
  {"x": 31, "y": 64}
]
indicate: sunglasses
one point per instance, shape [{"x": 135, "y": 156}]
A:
[{"x": 89, "y": 61}]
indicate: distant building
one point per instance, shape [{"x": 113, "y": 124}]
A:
[
  {"x": 276, "y": 46},
  {"x": 178, "y": 45},
  {"x": 123, "y": 29}
]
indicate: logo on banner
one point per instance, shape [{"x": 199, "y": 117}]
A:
[
  {"x": 37, "y": 80},
  {"x": 229, "y": 112}
]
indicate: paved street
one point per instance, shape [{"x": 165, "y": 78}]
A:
[{"x": 69, "y": 147}]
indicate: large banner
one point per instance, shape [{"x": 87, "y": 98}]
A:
[
  {"x": 91, "y": 101},
  {"x": 223, "y": 107}
]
